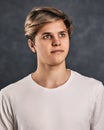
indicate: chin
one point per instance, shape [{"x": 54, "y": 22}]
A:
[{"x": 57, "y": 63}]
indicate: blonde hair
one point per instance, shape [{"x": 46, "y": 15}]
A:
[{"x": 38, "y": 17}]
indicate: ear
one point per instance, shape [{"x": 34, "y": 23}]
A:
[{"x": 31, "y": 45}]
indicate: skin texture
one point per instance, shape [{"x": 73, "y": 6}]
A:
[{"x": 51, "y": 46}]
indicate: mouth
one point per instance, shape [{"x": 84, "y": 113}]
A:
[{"x": 57, "y": 51}]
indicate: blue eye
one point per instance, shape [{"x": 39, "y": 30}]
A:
[
  {"x": 47, "y": 36},
  {"x": 62, "y": 35}
]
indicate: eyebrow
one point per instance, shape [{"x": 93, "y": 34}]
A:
[
  {"x": 46, "y": 33},
  {"x": 63, "y": 31}
]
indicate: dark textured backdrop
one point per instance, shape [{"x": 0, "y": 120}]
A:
[{"x": 87, "y": 43}]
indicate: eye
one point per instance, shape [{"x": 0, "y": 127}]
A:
[
  {"x": 62, "y": 34},
  {"x": 47, "y": 36}
]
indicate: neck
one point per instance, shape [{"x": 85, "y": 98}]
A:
[{"x": 51, "y": 76}]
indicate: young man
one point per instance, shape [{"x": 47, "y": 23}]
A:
[{"x": 53, "y": 97}]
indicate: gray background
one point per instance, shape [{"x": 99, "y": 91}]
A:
[{"x": 87, "y": 43}]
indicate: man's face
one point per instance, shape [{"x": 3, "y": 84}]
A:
[{"x": 52, "y": 43}]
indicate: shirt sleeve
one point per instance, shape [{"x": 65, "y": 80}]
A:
[
  {"x": 98, "y": 113},
  {"x": 6, "y": 118}
]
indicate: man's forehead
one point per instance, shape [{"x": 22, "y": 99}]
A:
[{"x": 55, "y": 26}]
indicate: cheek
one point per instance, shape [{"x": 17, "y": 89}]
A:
[
  {"x": 42, "y": 49},
  {"x": 66, "y": 44}
]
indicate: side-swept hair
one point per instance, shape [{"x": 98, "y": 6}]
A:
[{"x": 38, "y": 17}]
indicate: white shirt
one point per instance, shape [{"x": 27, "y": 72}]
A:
[{"x": 76, "y": 105}]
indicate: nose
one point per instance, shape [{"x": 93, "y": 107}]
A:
[{"x": 56, "y": 42}]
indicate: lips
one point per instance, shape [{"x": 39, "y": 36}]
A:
[{"x": 57, "y": 51}]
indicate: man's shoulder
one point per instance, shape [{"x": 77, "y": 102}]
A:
[
  {"x": 17, "y": 86},
  {"x": 87, "y": 81}
]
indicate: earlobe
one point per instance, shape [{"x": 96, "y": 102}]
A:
[{"x": 31, "y": 45}]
